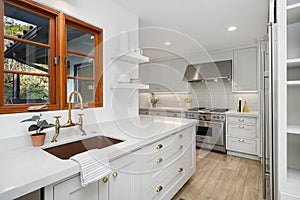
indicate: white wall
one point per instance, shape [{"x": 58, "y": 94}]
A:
[{"x": 113, "y": 19}]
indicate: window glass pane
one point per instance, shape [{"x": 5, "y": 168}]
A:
[
  {"x": 86, "y": 89},
  {"x": 24, "y": 89},
  {"x": 20, "y": 56},
  {"x": 22, "y": 24},
  {"x": 80, "y": 66},
  {"x": 80, "y": 41}
]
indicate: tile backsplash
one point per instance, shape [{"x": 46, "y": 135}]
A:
[{"x": 210, "y": 94}]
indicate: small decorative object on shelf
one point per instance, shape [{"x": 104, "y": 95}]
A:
[
  {"x": 245, "y": 109},
  {"x": 241, "y": 105},
  {"x": 188, "y": 102},
  {"x": 38, "y": 137},
  {"x": 154, "y": 100}
]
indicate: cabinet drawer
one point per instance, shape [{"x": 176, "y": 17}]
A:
[
  {"x": 157, "y": 185},
  {"x": 163, "y": 159},
  {"x": 158, "y": 113},
  {"x": 160, "y": 153},
  {"x": 175, "y": 114},
  {"x": 242, "y": 131},
  {"x": 161, "y": 144},
  {"x": 242, "y": 120},
  {"x": 144, "y": 112},
  {"x": 241, "y": 145}
]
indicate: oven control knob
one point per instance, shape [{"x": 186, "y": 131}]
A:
[{"x": 218, "y": 117}]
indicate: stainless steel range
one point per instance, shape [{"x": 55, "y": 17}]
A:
[{"x": 210, "y": 129}]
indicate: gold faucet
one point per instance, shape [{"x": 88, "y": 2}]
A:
[{"x": 69, "y": 123}]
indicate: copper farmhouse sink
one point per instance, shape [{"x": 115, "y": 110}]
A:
[{"x": 65, "y": 151}]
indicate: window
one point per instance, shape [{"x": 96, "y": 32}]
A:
[{"x": 46, "y": 55}]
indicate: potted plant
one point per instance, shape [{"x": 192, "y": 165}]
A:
[
  {"x": 154, "y": 101},
  {"x": 38, "y": 137}
]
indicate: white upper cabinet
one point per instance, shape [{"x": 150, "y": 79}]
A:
[
  {"x": 156, "y": 75},
  {"x": 177, "y": 70},
  {"x": 245, "y": 70},
  {"x": 165, "y": 76}
]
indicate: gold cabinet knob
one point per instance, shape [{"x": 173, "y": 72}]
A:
[
  {"x": 159, "y": 188},
  {"x": 241, "y": 140},
  {"x": 180, "y": 147},
  {"x": 115, "y": 175},
  {"x": 241, "y": 120},
  {"x": 159, "y": 160},
  {"x": 159, "y": 146},
  {"x": 180, "y": 169},
  {"x": 180, "y": 136},
  {"x": 105, "y": 180},
  {"x": 241, "y": 126}
]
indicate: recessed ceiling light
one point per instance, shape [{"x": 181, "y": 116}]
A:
[
  {"x": 167, "y": 43},
  {"x": 232, "y": 28}
]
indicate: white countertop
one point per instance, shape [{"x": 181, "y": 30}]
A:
[
  {"x": 161, "y": 108},
  {"x": 178, "y": 109},
  {"x": 26, "y": 169},
  {"x": 246, "y": 114}
]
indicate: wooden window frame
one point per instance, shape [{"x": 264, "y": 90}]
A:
[
  {"x": 98, "y": 58},
  {"x": 57, "y": 46}
]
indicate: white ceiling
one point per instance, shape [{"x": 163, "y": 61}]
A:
[{"x": 190, "y": 24}]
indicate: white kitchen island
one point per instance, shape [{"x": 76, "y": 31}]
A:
[{"x": 155, "y": 160}]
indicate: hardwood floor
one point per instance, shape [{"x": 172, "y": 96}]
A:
[{"x": 223, "y": 177}]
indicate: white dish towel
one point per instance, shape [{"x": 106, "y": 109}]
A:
[{"x": 94, "y": 165}]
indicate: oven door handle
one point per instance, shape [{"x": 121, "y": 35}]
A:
[{"x": 206, "y": 123}]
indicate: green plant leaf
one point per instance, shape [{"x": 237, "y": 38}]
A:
[
  {"x": 33, "y": 118},
  {"x": 33, "y": 127},
  {"x": 42, "y": 123}
]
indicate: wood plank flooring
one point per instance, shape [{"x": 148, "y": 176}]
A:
[{"x": 223, "y": 177}]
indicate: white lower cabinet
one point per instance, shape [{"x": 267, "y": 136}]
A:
[
  {"x": 243, "y": 135},
  {"x": 72, "y": 189},
  {"x": 124, "y": 181},
  {"x": 156, "y": 171}
]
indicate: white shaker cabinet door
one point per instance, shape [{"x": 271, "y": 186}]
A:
[
  {"x": 245, "y": 70},
  {"x": 124, "y": 181},
  {"x": 156, "y": 75},
  {"x": 72, "y": 189},
  {"x": 177, "y": 71}
]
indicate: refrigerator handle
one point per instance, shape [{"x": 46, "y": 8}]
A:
[{"x": 267, "y": 121}]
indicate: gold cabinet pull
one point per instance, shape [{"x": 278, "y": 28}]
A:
[
  {"x": 115, "y": 175},
  {"x": 159, "y": 188},
  {"x": 241, "y": 120},
  {"x": 241, "y": 126},
  {"x": 241, "y": 140},
  {"x": 105, "y": 180},
  {"x": 180, "y": 136},
  {"x": 159, "y": 160},
  {"x": 159, "y": 146},
  {"x": 180, "y": 169},
  {"x": 180, "y": 147}
]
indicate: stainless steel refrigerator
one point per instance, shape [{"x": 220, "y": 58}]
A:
[{"x": 268, "y": 53}]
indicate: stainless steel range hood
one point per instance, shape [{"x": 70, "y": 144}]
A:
[{"x": 208, "y": 71}]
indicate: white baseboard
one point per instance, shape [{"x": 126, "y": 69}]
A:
[{"x": 244, "y": 155}]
